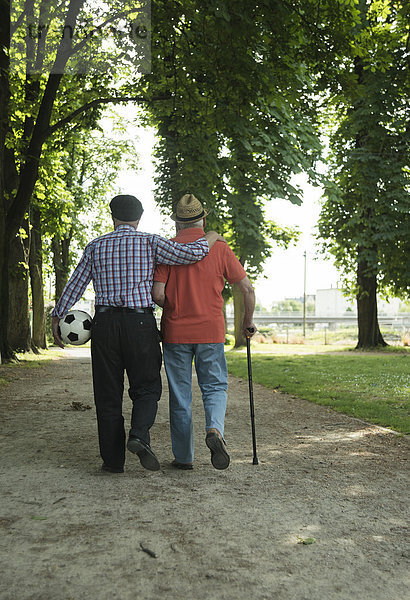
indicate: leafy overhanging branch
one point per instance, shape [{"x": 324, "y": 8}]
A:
[{"x": 98, "y": 101}]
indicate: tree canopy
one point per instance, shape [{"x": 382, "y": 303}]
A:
[
  {"x": 50, "y": 83},
  {"x": 241, "y": 95},
  {"x": 240, "y": 119},
  {"x": 365, "y": 220}
]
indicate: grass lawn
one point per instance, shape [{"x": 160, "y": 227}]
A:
[{"x": 373, "y": 387}]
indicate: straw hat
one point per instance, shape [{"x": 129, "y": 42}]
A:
[{"x": 189, "y": 209}]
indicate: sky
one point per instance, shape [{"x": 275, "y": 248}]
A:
[{"x": 284, "y": 271}]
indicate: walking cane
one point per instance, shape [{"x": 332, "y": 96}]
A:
[{"x": 248, "y": 350}]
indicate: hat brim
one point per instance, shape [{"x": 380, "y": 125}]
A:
[{"x": 201, "y": 215}]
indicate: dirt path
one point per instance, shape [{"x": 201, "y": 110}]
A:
[{"x": 70, "y": 532}]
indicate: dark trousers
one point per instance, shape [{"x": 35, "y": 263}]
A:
[{"x": 124, "y": 341}]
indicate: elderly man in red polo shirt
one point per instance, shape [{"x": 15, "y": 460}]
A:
[{"x": 193, "y": 327}]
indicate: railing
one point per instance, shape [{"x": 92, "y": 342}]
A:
[{"x": 402, "y": 320}]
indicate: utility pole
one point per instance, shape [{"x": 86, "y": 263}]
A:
[{"x": 304, "y": 295}]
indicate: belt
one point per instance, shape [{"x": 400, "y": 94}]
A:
[{"x": 122, "y": 309}]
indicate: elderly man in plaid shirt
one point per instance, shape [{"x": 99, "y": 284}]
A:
[{"x": 121, "y": 265}]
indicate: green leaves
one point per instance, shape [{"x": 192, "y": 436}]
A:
[
  {"x": 241, "y": 121},
  {"x": 367, "y": 203}
]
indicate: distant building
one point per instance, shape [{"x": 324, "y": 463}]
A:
[{"x": 332, "y": 303}]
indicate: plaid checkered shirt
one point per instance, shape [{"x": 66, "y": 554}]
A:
[{"x": 121, "y": 265}]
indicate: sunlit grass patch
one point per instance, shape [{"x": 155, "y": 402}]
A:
[
  {"x": 284, "y": 349},
  {"x": 32, "y": 359},
  {"x": 373, "y": 387}
]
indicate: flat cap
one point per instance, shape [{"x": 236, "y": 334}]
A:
[{"x": 126, "y": 208}]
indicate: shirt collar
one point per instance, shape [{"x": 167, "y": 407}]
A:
[
  {"x": 124, "y": 226},
  {"x": 190, "y": 234}
]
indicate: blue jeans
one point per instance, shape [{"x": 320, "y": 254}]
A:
[{"x": 210, "y": 366}]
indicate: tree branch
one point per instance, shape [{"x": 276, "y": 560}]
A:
[
  {"x": 91, "y": 34},
  {"x": 95, "y": 103},
  {"x": 19, "y": 20}
]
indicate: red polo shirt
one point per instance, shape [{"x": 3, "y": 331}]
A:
[{"x": 192, "y": 312}]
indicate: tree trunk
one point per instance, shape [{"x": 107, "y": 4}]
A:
[
  {"x": 36, "y": 279},
  {"x": 239, "y": 313},
  {"x": 61, "y": 263},
  {"x": 19, "y": 333},
  {"x": 369, "y": 331},
  {"x": 12, "y": 215},
  {"x": 5, "y": 351}
]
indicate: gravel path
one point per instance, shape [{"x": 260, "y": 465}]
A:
[{"x": 71, "y": 532}]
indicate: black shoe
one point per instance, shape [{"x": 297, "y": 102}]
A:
[
  {"x": 112, "y": 469},
  {"x": 219, "y": 456},
  {"x": 182, "y": 466},
  {"x": 144, "y": 452}
]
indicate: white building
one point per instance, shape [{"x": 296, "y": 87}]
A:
[{"x": 332, "y": 303}]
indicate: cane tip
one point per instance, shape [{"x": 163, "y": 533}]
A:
[{"x": 255, "y": 461}]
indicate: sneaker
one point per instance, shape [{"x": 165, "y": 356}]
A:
[{"x": 219, "y": 456}]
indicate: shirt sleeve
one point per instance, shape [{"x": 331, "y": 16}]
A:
[
  {"x": 161, "y": 273},
  {"x": 75, "y": 287},
  {"x": 168, "y": 252},
  {"x": 233, "y": 270}
]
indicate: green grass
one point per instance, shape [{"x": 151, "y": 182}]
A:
[{"x": 373, "y": 387}]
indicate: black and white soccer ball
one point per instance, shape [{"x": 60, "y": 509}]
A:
[{"x": 75, "y": 327}]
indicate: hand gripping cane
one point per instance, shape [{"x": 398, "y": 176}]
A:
[{"x": 248, "y": 350}]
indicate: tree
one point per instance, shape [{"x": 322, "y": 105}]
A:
[
  {"x": 34, "y": 106},
  {"x": 365, "y": 219},
  {"x": 90, "y": 164},
  {"x": 240, "y": 120},
  {"x": 77, "y": 171},
  {"x": 38, "y": 336}
]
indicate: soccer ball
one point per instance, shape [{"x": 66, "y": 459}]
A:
[{"x": 75, "y": 327}]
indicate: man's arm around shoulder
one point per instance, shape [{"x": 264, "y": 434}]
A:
[
  {"x": 212, "y": 237},
  {"x": 171, "y": 252}
]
